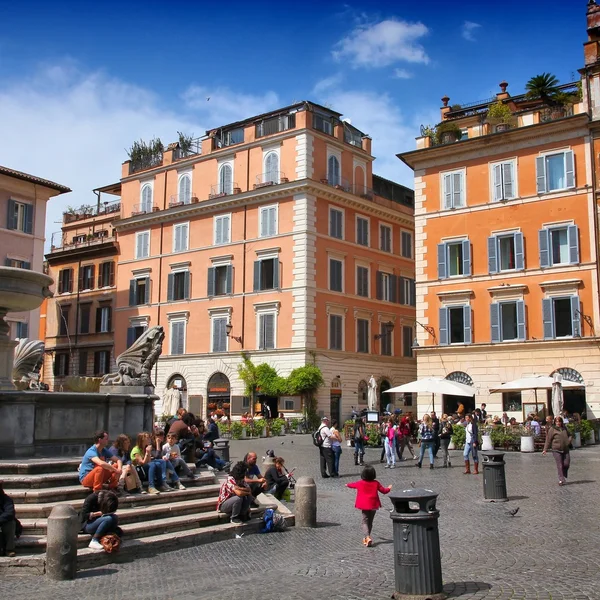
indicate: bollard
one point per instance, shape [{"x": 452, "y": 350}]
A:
[
  {"x": 305, "y": 503},
  {"x": 417, "y": 558},
  {"x": 61, "y": 543},
  {"x": 494, "y": 478},
  {"x": 222, "y": 449}
]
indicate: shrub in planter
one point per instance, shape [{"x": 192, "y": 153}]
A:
[
  {"x": 373, "y": 435},
  {"x": 459, "y": 436},
  {"x": 276, "y": 425},
  {"x": 448, "y": 132},
  {"x": 236, "y": 430},
  {"x": 294, "y": 424},
  {"x": 586, "y": 430}
]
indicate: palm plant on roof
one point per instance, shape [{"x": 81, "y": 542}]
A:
[{"x": 544, "y": 87}]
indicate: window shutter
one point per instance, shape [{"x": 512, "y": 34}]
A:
[
  {"x": 548, "y": 318},
  {"x": 379, "y": 285},
  {"x": 393, "y": 291},
  {"x": 61, "y": 278},
  {"x": 276, "y": 270},
  {"x": 81, "y": 272},
  {"x": 447, "y": 191},
  {"x": 70, "y": 280},
  {"x": 219, "y": 230},
  {"x": 177, "y": 236},
  {"x": 264, "y": 221},
  {"x": 130, "y": 336},
  {"x": 257, "y": 268},
  {"x": 570, "y": 168},
  {"x": 226, "y": 227},
  {"x": 217, "y": 335},
  {"x": 98, "y": 319},
  {"x": 96, "y": 363},
  {"x": 540, "y": 167},
  {"x": 333, "y": 171},
  {"x": 11, "y": 221},
  {"x": 185, "y": 189},
  {"x": 495, "y": 321},
  {"x": 186, "y": 285},
  {"x": 492, "y": 254},
  {"x": 403, "y": 298},
  {"x": 261, "y": 332},
  {"x": 272, "y": 227},
  {"x": 109, "y": 320},
  {"x": 111, "y": 275},
  {"x": 24, "y": 330},
  {"x": 544, "y": 242},
  {"x": 573, "y": 237},
  {"x": 272, "y": 168},
  {"x": 508, "y": 180},
  {"x": 132, "y": 286},
  {"x": 413, "y": 292},
  {"x": 519, "y": 254},
  {"x": 211, "y": 282},
  {"x": 29, "y": 218},
  {"x": 457, "y": 191},
  {"x": 497, "y": 182},
  {"x": 226, "y": 180},
  {"x": 100, "y": 271},
  {"x": 146, "y": 244},
  {"x": 466, "y": 248},
  {"x": 467, "y": 324},
  {"x": 170, "y": 287},
  {"x": 269, "y": 321},
  {"x": 575, "y": 316},
  {"x": 441, "y": 261},
  {"x": 92, "y": 275},
  {"x": 229, "y": 279},
  {"x": 443, "y": 326},
  {"x": 147, "y": 289},
  {"x": 521, "y": 320}
]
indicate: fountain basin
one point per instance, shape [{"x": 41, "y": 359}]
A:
[{"x": 22, "y": 289}]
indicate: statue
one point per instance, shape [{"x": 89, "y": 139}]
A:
[
  {"x": 29, "y": 356},
  {"x": 135, "y": 364},
  {"x": 372, "y": 395},
  {"x": 171, "y": 400}
]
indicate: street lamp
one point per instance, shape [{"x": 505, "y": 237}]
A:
[
  {"x": 388, "y": 328},
  {"x": 228, "y": 330}
]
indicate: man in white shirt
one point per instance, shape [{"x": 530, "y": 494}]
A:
[{"x": 325, "y": 452}]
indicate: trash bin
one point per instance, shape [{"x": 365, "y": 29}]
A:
[
  {"x": 494, "y": 478},
  {"x": 417, "y": 558},
  {"x": 222, "y": 449}
]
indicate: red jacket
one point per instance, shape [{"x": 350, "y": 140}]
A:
[{"x": 367, "y": 497}]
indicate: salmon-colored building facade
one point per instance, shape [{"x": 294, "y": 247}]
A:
[
  {"x": 506, "y": 224},
  {"x": 270, "y": 237}
]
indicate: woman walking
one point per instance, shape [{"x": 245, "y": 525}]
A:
[
  {"x": 389, "y": 444},
  {"x": 445, "y": 437},
  {"x": 336, "y": 447},
  {"x": 359, "y": 435},
  {"x": 427, "y": 440},
  {"x": 559, "y": 440}
]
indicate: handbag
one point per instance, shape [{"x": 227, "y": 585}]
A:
[{"x": 111, "y": 543}]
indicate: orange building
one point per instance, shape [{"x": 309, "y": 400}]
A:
[
  {"x": 272, "y": 237},
  {"x": 507, "y": 250},
  {"x": 79, "y": 318}
]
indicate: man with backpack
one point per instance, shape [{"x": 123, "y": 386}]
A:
[{"x": 322, "y": 439}]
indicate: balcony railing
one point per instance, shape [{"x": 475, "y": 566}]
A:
[
  {"x": 193, "y": 148},
  {"x": 270, "y": 178},
  {"x": 59, "y": 241},
  {"x": 148, "y": 162},
  {"x": 217, "y": 191},
  {"x": 181, "y": 199},
  {"x": 555, "y": 112},
  {"x": 275, "y": 125},
  {"x": 144, "y": 208},
  {"x": 107, "y": 208},
  {"x": 339, "y": 183}
]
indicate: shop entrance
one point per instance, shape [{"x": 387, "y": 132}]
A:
[{"x": 219, "y": 395}]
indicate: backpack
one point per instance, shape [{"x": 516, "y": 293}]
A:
[
  {"x": 317, "y": 438},
  {"x": 272, "y": 521}
]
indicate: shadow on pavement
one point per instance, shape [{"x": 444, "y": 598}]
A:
[
  {"x": 580, "y": 482},
  {"x": 95, "y": 573},
  {"x": 323, "y": 524},
  {"x": 456, "y": 589},
  {"x": 512, "y": 498}
]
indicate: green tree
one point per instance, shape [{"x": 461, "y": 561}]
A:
[{"x": 544, "y": 87}]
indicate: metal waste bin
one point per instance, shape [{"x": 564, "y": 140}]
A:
[
  {"x": 222, "y": 449},
  {"x": 494, "y": 478},
  {"x": 417, "y": 558}
]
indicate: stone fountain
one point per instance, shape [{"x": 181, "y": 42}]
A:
[{"x": 34, "y": 422}]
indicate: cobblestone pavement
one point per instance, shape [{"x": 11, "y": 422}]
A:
[{"x": 548, "y": 551}]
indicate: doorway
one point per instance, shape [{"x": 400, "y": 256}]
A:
[
  {"x": 450, "y": 404},
  {"x": 219, "y": 395}
]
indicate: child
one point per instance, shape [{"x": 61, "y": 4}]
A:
[
  {"x": 367, "y": 499},
  {"x": 173, "y": 453}
]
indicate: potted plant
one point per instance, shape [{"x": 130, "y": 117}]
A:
[
  {"x": 486, "y": 438},
  {"x": 448, "y": 132},
  {"x": 459, "y": 437},
  {"x": 587, "y": 432},
  {"x": 527, "y": 439},
  {"x": 574, "y": 430},
  {"x": 500, "y": 115}
]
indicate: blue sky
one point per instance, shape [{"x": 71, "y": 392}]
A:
[{"x": 80, "y": 82}]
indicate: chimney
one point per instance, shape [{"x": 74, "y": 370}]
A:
[
  {"x": 591, "y": 48},
  {"x": 445, "y": 108},
  {"x": 503, "y": 94}
]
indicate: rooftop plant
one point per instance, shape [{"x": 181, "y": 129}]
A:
[{"x": 499, "y": 112}]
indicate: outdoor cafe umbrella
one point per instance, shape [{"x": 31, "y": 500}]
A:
[
  {"x": 433, "y": 386},
  {"x": 557, "y": 395}
]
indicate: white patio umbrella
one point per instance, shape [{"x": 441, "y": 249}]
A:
[
  {"x": 433, "y": 386},
  {"x": 557, "y": 395}
]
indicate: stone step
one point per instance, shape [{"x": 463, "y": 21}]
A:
[{"x": 38, "y": 465}]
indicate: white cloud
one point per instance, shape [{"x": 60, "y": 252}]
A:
[
  {"x": 468, "y": 30},
  {"x": 402, "y": 74},
  {"x": 73, "y": 127},
  {"x": 328, "y": 83},
  {"x": 383, "y": 44}
]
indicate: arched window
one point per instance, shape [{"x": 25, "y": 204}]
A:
[
  {"x": 185, "y": 189},
  {"x": 569, "y": 374},
  {"x": 359, "y": 181},
  {"x": 460, "y": 377},
  {"x": 271, "y": 168},
  {"x": 363, "y": 389},
  {"x": 333, "y": 170},
  {"x": 226, "y": 180},
  {"x": 147, "y": 197}
]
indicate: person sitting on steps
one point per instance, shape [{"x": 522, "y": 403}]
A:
[
  {"x": 253, "y": 475},
  {"x": 235, "y": 497},
  {"x": 208, "y": 458},
  {"x": 173, "y": 453},
  {"x": 98, "y": 516},
  {"x": 157, "y": 453},
  {"x": 120, "y": 450},
  {"x": 98, "y": 467},
  {"x": 277, "y": 478},
  {"x": 149, "y": 468},
  {"x": 8, "y": 524}
]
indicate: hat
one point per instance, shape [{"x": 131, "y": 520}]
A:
[{"x": 324, "y": 418}]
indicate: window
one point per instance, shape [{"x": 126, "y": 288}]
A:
[
  {"x": 362, "y": 281},
  {"x": 185, "y": 188},
  {"x": 226, "y": 179},
  {"x": 219, "y": 334},
  {"x": 103, "y": 319},
  {"x": 454, "y": 259},
  {"x": 86, "y": 277},
  {"x": 18, "y": 264},
  {"x": 63, "y": 320},
  {"x": 503, "y": 180},
  {"x": 61, "y": 364},
  {"x": 229, "y": 138},
  {"x": 362, "y": 335},
  {"x": 407, "y": 291},
  {"x": 101, "y": 362},
  {"x": 178, "y": 286},
  {"x": 134, "y": 332},
  {"x": 561, "y": 317},
  {"x": 453, "y": 189},
  {"x": 559, "y": 246},
  {"x": 20, "y": 216},
  {"x": 323, "y": 123},
  {"x": 512, "y": 401},
  {"x": 505, "y": 252},
  {"x": 271, "y": 173},
  {"x": 266, "y": 274},
  {"x": 146, "y": 197},
  {"x": 336, "y": 337},
  {"x": 507, "y": 321},
  {"x": 65, "y": 281},
  {"x": 406, "y": 239},
  {"x": 177, "y": 337},
  {"x": 336, "y": 223},
  {"x": 83, "y": 358},
  {"x": 266, "y": 331},
  {"x": 268, "y": 221},
  {"x": 386, "y": 286},
  {"x": 385, "y": 238},
  {"x": 21, "y": 330},
  {"x": 142, "y": 244},
  {"x": 455, "y": 325},
  {"x": 386, "y": 339},
  {"x": 106, "y": 274},
  {"x": 555, "y": 171},
  {"x": 333, "y": 170},
  {"x": 287, "y": 405},
  {"x": 139, "y": 291},
  {"x": 222, "y": 233},
  {"x": 362, "y": 231},
  {"x": 335, "y": 275},
  {"x": 180, "y": 237},
  {"x": 407, "y": 341},
  {"x": 220, "y": 280},
  {"x": 84, "y": 318}
]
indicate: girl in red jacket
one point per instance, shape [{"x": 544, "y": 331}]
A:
[{"x": 367, "y": 499}]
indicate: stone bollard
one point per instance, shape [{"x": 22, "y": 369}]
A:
[
  {"x": 305, "y": 504},
  {"x": 61, "y": 543}
]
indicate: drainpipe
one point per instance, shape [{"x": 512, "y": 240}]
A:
[{"x": 160, "y": 262}]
